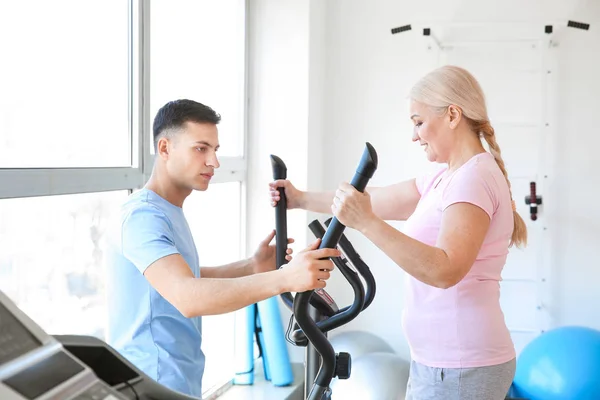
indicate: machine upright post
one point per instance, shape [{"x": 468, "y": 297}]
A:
[{"x": 312, "y": 358}]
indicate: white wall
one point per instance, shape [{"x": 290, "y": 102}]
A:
[
  {"x": 285, "y": 106},
  {"x": 370, "y": 72},
  {"x": 574, "y": 251},
  {"x": 328, "y": 76}
]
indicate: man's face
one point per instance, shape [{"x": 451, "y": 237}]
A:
[{"x": 191, "y": 157}]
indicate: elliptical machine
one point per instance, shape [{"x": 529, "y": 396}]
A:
[{"x": 315, "y": 311}]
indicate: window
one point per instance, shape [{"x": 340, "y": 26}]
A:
[
  {"x": 64, "y": 80},
  {"x": 51, "y": 258},
  {"x": 81, "y": 84},
  {"x": 198, "y": 52},
  {"x": 216, "y": 224}
]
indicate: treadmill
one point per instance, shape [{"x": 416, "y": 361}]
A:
[{"x": 37, "y": 366}]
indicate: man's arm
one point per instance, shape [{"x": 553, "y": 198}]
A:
[
  {"x": 147, "y": 241},
  {"x": 236, "y": 269},
  {"x": 263, "y": 260},
  {"x": 173, "y": 279}
]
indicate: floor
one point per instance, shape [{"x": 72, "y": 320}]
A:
[{"x": 262, "y": 389}]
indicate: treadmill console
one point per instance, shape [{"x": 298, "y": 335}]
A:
[
  {"x": 38, "y": 366},
  {"x": 15, "y": 339},
  {"x": 35, "y": 366}
]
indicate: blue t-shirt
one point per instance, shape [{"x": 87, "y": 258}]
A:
[{"x": 143, "y": 326}]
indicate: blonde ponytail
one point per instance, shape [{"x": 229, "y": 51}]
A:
[
  {"x": 485, "y": 130},
  {"x": 452, "y": 85}
]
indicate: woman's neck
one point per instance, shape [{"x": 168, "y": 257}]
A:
[{"x": 464, "y": 150}]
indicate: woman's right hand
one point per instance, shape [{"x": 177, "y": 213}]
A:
[{"x": 293, "y": 195}]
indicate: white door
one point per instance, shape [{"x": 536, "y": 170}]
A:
[{"x": 514, "y": 76}]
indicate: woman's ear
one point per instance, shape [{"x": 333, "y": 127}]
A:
[{"x": 455, "y": 115}]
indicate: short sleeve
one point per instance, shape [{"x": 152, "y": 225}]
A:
[
  {"x": 420, "y": 182},
  {"x": 471, "y": 185},
  {"x": 424, "y": 180},
  {"x": 146, "y": 237}
]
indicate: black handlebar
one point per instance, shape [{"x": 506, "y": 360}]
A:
[
  {"x": 364, "y": 172},
  {"x": 281, "y": 238}
]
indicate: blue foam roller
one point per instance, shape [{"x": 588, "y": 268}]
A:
[
  {"x": 244, "y": 345},
  {"x": 274, "y": 345},
  {"x": 261, "y": 346}
]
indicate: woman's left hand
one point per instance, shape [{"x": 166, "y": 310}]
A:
[{"x": 351, "y": 207}]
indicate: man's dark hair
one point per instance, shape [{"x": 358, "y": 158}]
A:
[{"x": 176, "y": 113}]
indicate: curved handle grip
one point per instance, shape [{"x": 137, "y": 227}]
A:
[
  {"x": 362, "y": 268},
  {"x": 364, "y": 172},
  {"x": 346, "y": 314}
]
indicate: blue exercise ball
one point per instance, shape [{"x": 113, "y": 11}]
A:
[{"x": 562, "y": 363}]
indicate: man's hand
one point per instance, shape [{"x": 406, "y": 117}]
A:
[
  {"x": 264, "y": 258},
  {"x": 309, "y": 269}
]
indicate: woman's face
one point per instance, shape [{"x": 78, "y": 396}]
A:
[{"x": 432, "y": 130}]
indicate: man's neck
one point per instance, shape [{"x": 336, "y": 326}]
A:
[{"x": 167, "y": 189}]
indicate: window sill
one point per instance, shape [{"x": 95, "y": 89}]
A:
[{"x": 262, "y": 389}]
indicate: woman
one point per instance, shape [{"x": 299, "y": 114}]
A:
[{"x": 460, "y": 223}]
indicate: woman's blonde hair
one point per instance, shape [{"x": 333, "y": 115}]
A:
[{"x": 452, "y": 85}]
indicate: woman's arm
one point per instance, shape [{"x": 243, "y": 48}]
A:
[
  {"x": 319, "y": 202},
  {"x": 394, "y": 202},
  {"x": 461, "y": 235},
  {"x": 462, "y": 231}
]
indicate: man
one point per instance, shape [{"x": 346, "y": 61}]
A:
[{"x": 157, "y": 291}]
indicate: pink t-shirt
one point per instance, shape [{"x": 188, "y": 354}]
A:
[{"x": 462, "y": 326}]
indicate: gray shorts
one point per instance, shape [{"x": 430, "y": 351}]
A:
[{"x": 481, "y": 383}]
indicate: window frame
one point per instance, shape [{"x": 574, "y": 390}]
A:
[
  {"x": 30, "y": 182},
  {"x": 27, "y": 182}
]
